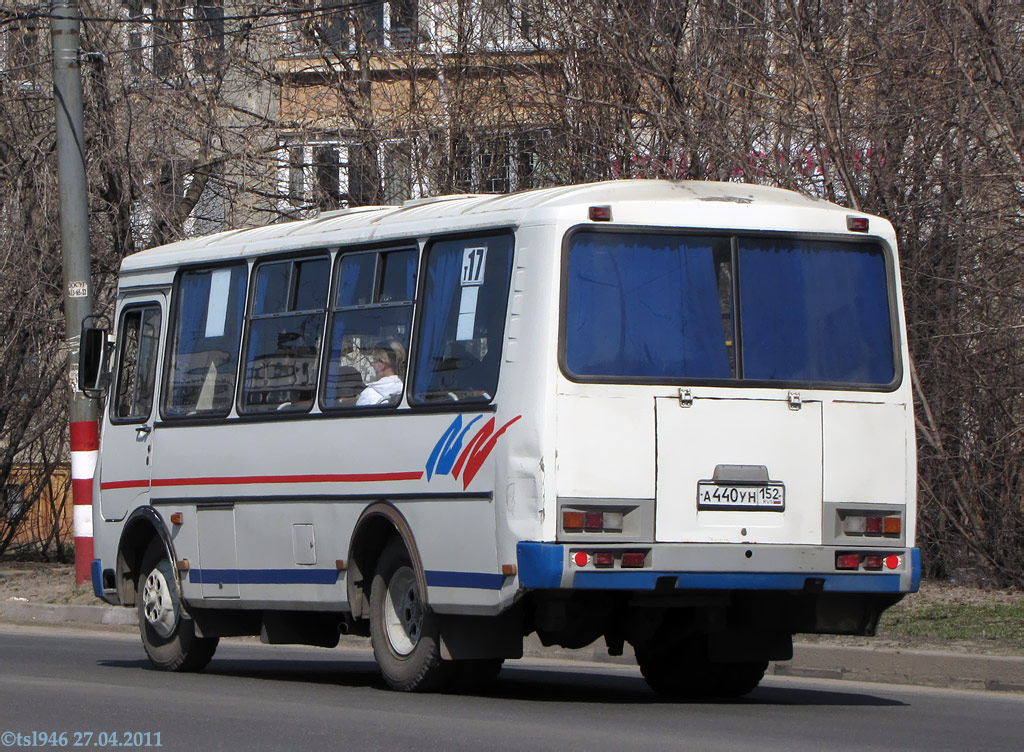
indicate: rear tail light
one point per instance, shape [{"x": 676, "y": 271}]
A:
[
  {"x": 873, "y": 563},
  {"x": 847, "y": 561},
  {"x": 604, "y": 559},
  {"x": 871, "y": 523},
  {"x": 633, "y": 560},
  {"x": 591, "y": 521},
  {"x": 572, "y": 520}
]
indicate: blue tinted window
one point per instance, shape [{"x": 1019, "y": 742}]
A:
[
  {"x": 207, "y": 329},
  {"x": 285, "y": 329},
  {"x": 653, "y": 307},
  {"x": 814, "y": 311},
  {"x": 272, "y": 286},
  {"x": 368, "y": 339},
  {"x": 355, "y": 286},
  {"x": 463, "y": 322},
  {"x": 647, "y": 306}
]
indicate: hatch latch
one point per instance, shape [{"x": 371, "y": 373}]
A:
[
  {"x": 685, "y": 398},
  {"x": 795, "y": 403}
]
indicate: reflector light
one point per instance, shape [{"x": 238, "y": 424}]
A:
[
  {"x": 593, "y": 521},
  {"x": 581, "y": 558},
  {"x": 600, "y": 213},
  {"x": 893, "y": 562},
  {"x": 892, "y": 525},
  {"x": 847, "y": 561},
  {"x": 854, "y": 525},
  {"x": 633, "y": 559},
  {"x": 873, "y": 525},
  {"x": 857, "y": 224},
  {"x": 604, "y": 559},
  {"x": 873, "y": 563},
  {"x": 572, "y": 520}
]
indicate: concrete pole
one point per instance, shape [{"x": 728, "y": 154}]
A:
[{"x": 65, "y": 21}]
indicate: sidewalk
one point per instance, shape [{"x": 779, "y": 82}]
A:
[{"x": 935, "y": 668}]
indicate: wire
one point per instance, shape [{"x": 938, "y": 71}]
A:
[{"x": 273, "y": 18}]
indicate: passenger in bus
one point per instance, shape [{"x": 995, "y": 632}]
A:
[{"x": 388, "y": 360}]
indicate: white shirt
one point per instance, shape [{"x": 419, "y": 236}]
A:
[{"x": 383, "y": 391}]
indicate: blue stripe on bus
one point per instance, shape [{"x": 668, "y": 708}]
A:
[
  {"x": 540, "y": 566},
  {"x": 474, "y": 580},
  {"x": 647, "y": 580},
  {"x": 265, "y": 576}
]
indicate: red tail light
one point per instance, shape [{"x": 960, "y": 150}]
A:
[
  {"x": 847, "y": 561},
  {"x": 633, "y": 559}
]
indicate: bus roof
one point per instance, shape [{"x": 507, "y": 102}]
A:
[{"x": 711, "y": 204}]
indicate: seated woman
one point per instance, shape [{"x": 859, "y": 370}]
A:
[{"x": 388, "y": 360}]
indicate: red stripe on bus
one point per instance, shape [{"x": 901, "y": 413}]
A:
[
  {"x": 249, "y": 480},
  {"x": 85, "y": 436}
]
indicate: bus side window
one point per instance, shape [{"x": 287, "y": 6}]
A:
[
  {"x": 368, "y": 337},
  {"x": 462, "y": 323},
  {"x": 136, "y": 371},
  {"x": 285, "y": 325},
  {"x": 204, "y": 351}
]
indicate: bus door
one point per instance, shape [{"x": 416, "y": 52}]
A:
[
  {"x": 739, "y": 470},
  {"x": 127, "y": 448}
]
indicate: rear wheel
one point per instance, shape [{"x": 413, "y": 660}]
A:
[
  {"x": 403, "y": 630},
  {"x": 168, "y": 632}
]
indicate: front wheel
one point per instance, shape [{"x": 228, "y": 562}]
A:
[
  {"x": 168, "y": 632},
  {"x": 403, "y": 630}
]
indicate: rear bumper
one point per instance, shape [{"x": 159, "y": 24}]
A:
[{"x": 707, "y": 566}]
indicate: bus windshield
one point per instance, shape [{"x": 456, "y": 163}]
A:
[{"x": 651, "y": 307}]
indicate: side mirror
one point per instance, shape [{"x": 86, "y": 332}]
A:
[{"x": 93, "y": 353}]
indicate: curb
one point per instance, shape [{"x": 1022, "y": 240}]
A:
[{"x": 930, "y": 668}]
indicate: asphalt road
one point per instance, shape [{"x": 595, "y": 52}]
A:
[{"x": 98, "y": 688}]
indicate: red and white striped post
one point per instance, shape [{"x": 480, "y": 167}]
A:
[
  {"x": 65, "y": 32},
  {"x": 84, "y": 451}
]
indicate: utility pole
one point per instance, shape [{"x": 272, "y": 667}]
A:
[{"x": 65, "y": 22}]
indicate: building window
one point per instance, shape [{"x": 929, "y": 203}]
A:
[
  {"x": 25, "y": 51},
  {"x": 496, "y": 163},
  {"x": 314, "y": 176},
  {"x": 13, "y": 501},
  {"x": 207, "y": 44}
]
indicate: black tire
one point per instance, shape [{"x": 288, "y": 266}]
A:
[
  {"x": 168, "y": 632},
  {"x": 403, "y": 630},
  {"x": 683, "y": 675}
]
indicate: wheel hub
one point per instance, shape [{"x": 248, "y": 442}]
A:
[
  {"x": 158, "y": 604},
  {"x": 403, "y": 612}
]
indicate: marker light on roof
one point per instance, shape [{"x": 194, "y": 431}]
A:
[
  {"x": 600, "y": 213},
  {"x": 857, "y": 224}
]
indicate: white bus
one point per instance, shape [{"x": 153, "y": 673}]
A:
[{"x": 671, "y": 414}]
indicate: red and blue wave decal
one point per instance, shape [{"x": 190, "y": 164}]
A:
[{"x": 449, "y": 457}]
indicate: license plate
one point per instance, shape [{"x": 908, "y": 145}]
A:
[{"x": 761, "y": 496}]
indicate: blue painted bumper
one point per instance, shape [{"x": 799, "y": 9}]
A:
[
  {"x": 541, "y": 566},
  {"x": 96, "y": 572}
]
